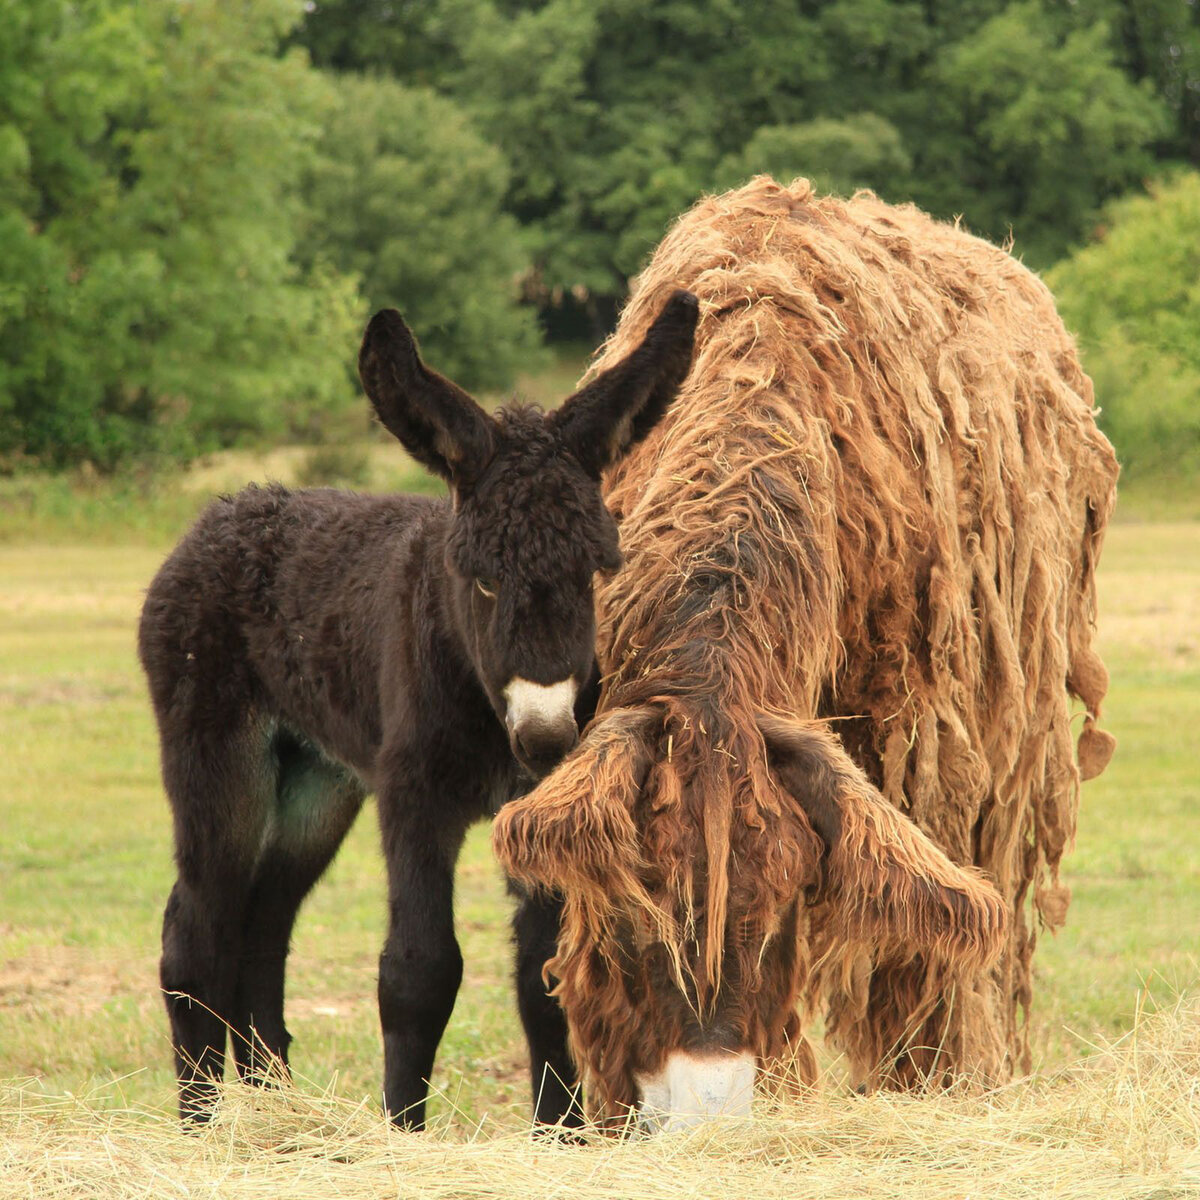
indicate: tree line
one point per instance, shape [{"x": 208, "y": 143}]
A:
[{"x": 200, "y": 201}]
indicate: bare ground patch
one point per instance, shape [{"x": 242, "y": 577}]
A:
[{"x": 50, "y": 976}]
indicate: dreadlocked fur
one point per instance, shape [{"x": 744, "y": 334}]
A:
[{"x": 859, "y": 565}]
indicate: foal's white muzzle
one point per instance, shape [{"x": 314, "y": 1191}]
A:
[
  {"x": 692, "y": 1088},
  {"x": 541, "y": 720}
]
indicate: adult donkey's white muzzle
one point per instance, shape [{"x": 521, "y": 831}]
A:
[
  {"x": 692, "y": 1088},
  {"x": 541, "y": 721}
]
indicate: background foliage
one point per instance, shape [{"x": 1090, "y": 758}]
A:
[
  {"x": 1134, "y": 298},
  {"x": 200, "y": 202},
  {"x": 406, "y": 196}
]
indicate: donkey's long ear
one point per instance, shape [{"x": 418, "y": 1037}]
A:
[
  {"x": 886, "y": 883},
  {"x": 437, "y": 422},
  {"x": 575, "y": 831},
  {"x": 601, "y": 421}
]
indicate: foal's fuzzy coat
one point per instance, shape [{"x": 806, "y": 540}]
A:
[
  {"x": 860, "y": 556},
  {"x": 305, "y": 648}
]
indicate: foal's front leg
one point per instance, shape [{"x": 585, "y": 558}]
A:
[
  {"x": 556, "y": 1098},
  {"x": 421, "y": 965}
]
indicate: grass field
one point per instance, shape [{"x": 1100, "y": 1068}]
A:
[{"x": 85, "y": 854}]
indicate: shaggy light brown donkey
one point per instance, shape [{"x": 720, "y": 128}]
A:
[{"x": 833, "y": 763}]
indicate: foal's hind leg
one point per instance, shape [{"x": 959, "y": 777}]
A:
[
  {"x": 219, "y": 791},
  {"x": 197, "y": 974},
  {"x": 555, "y": 1087},
  {"x": 316, "y": 803}
]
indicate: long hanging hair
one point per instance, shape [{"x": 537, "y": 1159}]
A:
[{"x": 869, "y": 524}]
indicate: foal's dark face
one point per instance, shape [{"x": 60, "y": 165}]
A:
[
  {"x": 528, "y": 530},
  {"x": 526, "y": 542}
]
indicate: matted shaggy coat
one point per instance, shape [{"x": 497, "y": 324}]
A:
[{"x": 869, "y": 524}]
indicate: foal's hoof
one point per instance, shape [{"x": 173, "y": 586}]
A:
[{"x": 561, "y": 1135}]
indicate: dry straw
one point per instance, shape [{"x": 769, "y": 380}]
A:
[{"x": 1125, "y": 1123}]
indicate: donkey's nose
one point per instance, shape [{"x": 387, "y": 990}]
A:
[
  {"x": 541, "y": 721},
  {"x": 540, "y": 748},
  {"x": 691, "y": 1088}
]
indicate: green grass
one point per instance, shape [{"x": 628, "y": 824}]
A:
[
  {"x": 1135, "y": 872},
  {"x": 85, "y": 860},
  {"x": 1158, "y": 497}
]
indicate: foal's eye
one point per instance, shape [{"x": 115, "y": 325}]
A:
[{"x": 486, "y": 588}]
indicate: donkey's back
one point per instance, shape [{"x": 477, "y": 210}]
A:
[{"x": 280, "y": 607}]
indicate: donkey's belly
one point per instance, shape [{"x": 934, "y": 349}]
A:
[{"x": 316, "y": 797}]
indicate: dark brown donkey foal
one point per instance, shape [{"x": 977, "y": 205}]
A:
[{"x": 304, "y": 648}]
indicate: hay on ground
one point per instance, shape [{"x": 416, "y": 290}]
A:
[{"x": 1124, "y": 1123}]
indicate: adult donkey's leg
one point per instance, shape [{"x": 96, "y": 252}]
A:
[
  {"x": 316, "y": 802},
  {"x": 420, "y": 968},
  {"x": 556, "y": 1098},
  {"x": 218, "y": 787}
]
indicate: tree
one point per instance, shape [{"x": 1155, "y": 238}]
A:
[
  {"x": 149, "y": 188},
  {"x": 838, "y": 155},
  {"x": 1023, "y": 116},
  {"x": 1156, "y": 41},
  {"x": 1049, "y": 127},
  {"x": 620, "y": 113},
  {"x": 68, "y": 73},
  {"x": 405, "y": 195},
  {"x": 1133, "y": 296},
  {"x": 353, "y": 35},
  {"x": 614, "y": 115}
]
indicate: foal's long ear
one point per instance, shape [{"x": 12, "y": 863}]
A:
[
  {"x": 887, "y": 884},
  {"x": 437, "y": 422},
  {"x": 602, "y": 420}
]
